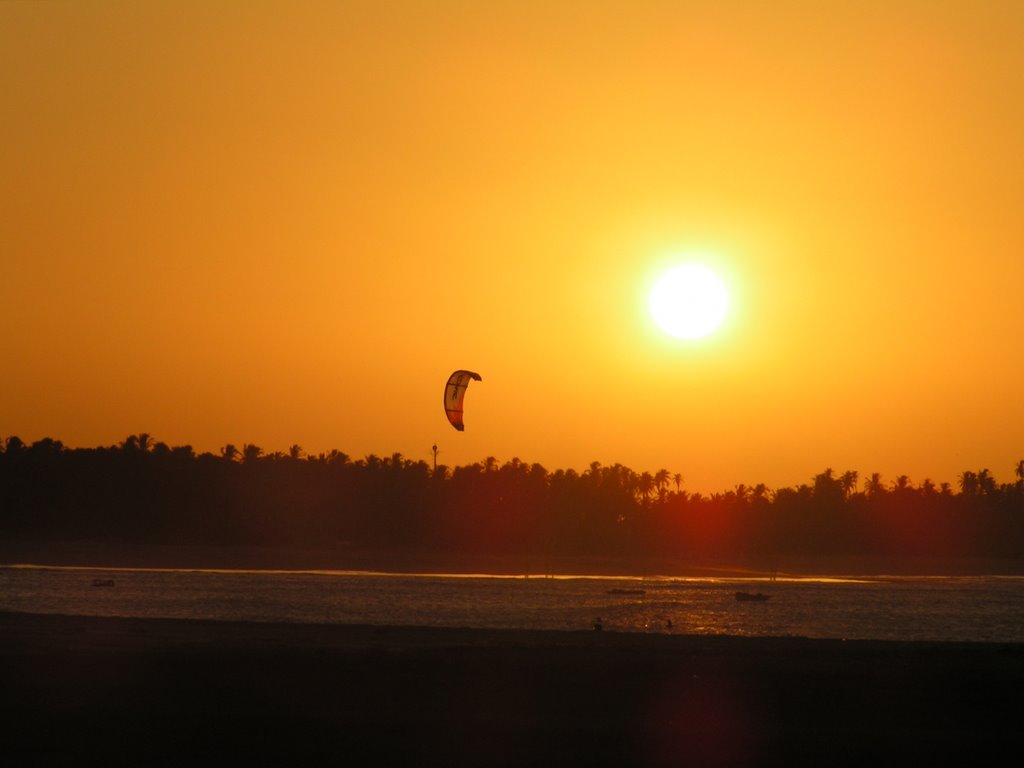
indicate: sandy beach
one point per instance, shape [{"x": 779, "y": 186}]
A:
[{"x": 137, "y": 691}]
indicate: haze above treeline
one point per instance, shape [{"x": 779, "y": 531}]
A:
[{"x": 145, "y": 491}]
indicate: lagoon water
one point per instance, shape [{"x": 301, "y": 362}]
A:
[{"x": 974, "y": 608}]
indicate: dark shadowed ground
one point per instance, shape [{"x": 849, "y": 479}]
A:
[{"x": 78, "y": 690}]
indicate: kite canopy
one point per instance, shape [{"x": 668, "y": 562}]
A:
[{"x": 455, "y": 393}]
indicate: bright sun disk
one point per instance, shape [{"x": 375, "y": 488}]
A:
[{"x": 689, "y": 301}]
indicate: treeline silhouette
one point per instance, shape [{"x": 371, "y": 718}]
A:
[{"x": 148, "y": 492}]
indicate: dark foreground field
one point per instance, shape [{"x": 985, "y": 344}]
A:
[{"x": 82, "y": 691}]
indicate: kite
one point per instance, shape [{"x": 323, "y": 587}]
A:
[{"x": 455, "y": 393}]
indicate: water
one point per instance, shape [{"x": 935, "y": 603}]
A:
[{"x": 976, "y": 608}]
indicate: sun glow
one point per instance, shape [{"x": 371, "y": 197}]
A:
[{"x": 689, "y": 301}]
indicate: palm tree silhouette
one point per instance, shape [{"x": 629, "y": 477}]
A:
[
  {"x": 140, "y": 443},
  {"x": 661, "y": 478},
  {"x": 873, "y": 485},
  {"x": 901, "y": 483},
  {"x": 848, "y": 482},
  {"x": 13, "y": 445},
  {"x": 968, "y": 483},
  {"x": 645, "y": 484},
  {"x": 251, "y": 453}
]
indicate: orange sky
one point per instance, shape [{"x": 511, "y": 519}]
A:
[{"x": 284, "y": 223}]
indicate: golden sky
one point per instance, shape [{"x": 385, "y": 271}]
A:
[{"x": 288, "y": 222}]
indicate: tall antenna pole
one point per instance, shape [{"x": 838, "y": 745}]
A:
[{"x": 434, "y": 449}]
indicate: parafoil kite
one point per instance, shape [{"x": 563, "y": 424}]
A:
[{"x": 455, "y": 393}]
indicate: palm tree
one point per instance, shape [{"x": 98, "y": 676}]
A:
[
  {"x": 986, "y": 483},
  {"x": 848, "y": 482},
  {"x": 295, "y": 451},
  {"x": 873, "y": 485},
  {"x": 827, "y": 487},
  {"x": 661, "y": 478},
  {"x": 678, "y": 480},
  {"x": 229, "y": 452},
  {"x": 47, "y": 446},
  {"x": 251, "y": 453},
  {"x": 337, "y": 457},
  {"x": 968, "y": 483},
  {"x": 645, "y": 484},
  {"x": 742, "y": 493},
  {"x": 901, "y": 483},
  {"x": 1019, "y": 471},
  {"x": 140, "y": 443}
]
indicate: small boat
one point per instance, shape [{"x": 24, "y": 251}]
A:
[
  {"x": 619, "y": 591},
  {"x": 752, "y": 597},
  {"x": 103, "y": 582}
]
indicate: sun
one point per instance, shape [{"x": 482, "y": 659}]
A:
[{"x": 689, "y": 301}]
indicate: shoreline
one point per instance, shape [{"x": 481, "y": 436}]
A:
[
  {"x": 160, "y": 690},
  {"x": 24, "y": 631},
  {"x": 112, "y": 554}
]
